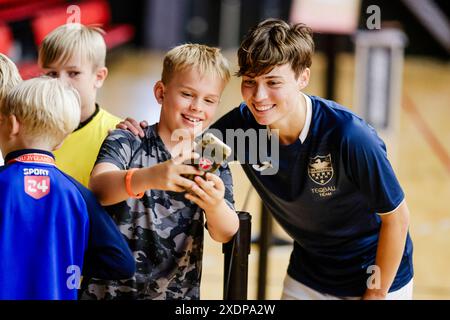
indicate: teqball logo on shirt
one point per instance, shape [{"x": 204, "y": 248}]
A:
[{"x": 320, "y": 170}]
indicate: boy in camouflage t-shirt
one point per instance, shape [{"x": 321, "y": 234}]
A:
[{"x": 142, "y": 181}]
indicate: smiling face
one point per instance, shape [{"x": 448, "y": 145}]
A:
[
  {"x": 189, "y": 101},
  {"x": 273, "y": 98}
]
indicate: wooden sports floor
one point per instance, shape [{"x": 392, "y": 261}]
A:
[{"x": 421, "y": 152}]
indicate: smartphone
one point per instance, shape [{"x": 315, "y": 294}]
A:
[{"x": 213, "y": 152}]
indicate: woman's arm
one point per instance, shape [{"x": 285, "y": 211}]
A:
[{"x": 391, "y": 245}]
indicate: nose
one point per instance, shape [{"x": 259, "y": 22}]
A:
[
  {"x": 260, "y": 93},
  {"x": 195, "y": 105},
  {"x": 64, "y": 78}
]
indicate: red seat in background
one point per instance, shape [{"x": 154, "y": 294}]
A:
[
  {"x": 6, "y": 39},
  {"x": 95, "y": 12},
  {"x": 18, "y": 10},
  {"x": 45, "y": 15},
  {"x": 27, "y": 69}
]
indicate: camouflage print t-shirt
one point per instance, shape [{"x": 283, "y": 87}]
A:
[{"x": 163, "y": 229}]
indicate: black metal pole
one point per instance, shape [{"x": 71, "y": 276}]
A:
[
  {"x": 265, "y": 237},
  {"x": 236, "y": 260}
]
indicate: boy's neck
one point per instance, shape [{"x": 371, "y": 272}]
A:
[
  {"x": 174, "y": 147},
  {"x": 87, "y": 112},
  {"x": 21, "y": 146}
]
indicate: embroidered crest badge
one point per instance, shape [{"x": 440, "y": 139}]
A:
[{"x": 320, "y": 169}]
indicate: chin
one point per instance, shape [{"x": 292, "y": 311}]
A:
[{"x": 263, "y": 122}]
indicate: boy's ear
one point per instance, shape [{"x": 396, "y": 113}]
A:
[
  {"x": 100, "y": 76},
  {"x": 303, "y": 79},
  {"x": 13, "y": 125},
  {"x": 158, "y": 90}
]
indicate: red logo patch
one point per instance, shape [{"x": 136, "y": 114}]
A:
[
  {"x": 37, "y": 186},
  {"x": 205, "y": 164}
]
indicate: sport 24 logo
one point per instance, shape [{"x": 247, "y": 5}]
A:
[{"x": 37, "y": 186}]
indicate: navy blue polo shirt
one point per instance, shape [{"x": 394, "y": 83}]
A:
[
  {"x": 52, "y": 230},
  {"x": 327, "y": 193}
]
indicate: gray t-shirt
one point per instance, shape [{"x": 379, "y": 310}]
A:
[{"x": 163, "y": 229}]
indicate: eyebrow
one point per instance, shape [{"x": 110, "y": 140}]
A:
[
  {"x": 273, "y": 77},
  {"x": 68, "y": 67},
  {"x": 73, "y": 67},
  {"x": 265, "y": 77}
]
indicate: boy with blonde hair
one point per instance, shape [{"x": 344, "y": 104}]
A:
[
  {"x": 9, "y": 77},
  {"x": 142, "y": 180},
  {"x": 51, "y": 227},
  {"x": 76, "y": 54}
]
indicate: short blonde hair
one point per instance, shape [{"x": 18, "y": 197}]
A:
[
  {"x": 207, "y": 60},
  {"x": 47, "y": 109},
  {"x": 9, "y": 76},
  {"x": 73, "y": 38}
]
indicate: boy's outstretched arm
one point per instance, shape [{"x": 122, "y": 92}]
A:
[
  {"x": 391, "y": 245},
  {"x": 222, "y": 221},
  {"x": 108, "y": 181}
]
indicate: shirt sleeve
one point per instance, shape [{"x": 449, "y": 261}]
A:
[
  {"x": 118, "y": 149},
  {"x": 108, "y": 255},
  {"x": 366, "y": 163}
]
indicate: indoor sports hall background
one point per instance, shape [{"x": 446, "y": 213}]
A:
[{"x": 399, "y": 49}]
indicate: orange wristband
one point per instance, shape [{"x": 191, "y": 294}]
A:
[{"x": 128, "y": 185}]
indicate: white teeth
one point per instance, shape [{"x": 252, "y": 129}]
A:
[
  {"x": 191, "y": 119},
  {"x": 264, "y": 108}
]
